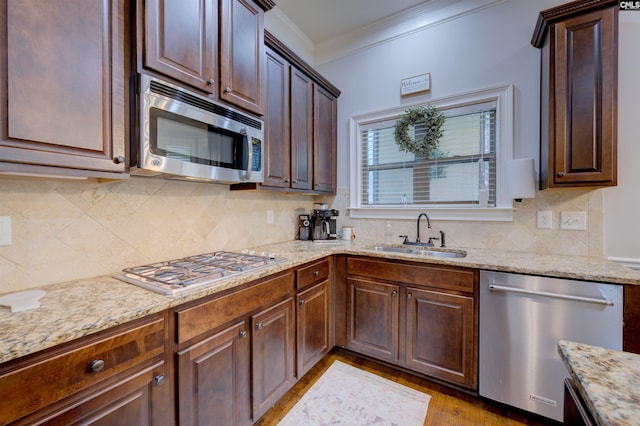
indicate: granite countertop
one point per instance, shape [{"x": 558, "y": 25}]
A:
[
  {"x": 607, "y": 380},
  {"x": 77, "y": 308}
]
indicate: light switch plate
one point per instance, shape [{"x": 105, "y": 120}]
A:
[
  {"x": 5, "y": 230},
  {"x": 544, "y": 220},
  {"x": 574, "y": 221}
]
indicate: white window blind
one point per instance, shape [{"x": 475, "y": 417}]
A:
[{"x": 461, "y": 173}]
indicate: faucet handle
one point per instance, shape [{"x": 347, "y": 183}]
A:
[
  {"x": 442, "y": 239},
  {"x": 406, "y": 238},
  {"x": 430, "y": 242}
]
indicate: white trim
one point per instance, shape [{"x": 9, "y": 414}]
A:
[
  {"x": 626, "y": 261},
  {"x": 503, "y": 96},
  {"x": 477, "y": 214}
]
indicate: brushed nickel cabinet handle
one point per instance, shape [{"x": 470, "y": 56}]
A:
[
  {"x": 258, "y": 326},
  {"x": 316, "y": 273},
  {"x": 227, "y": 89},
  {"x": 394, "y": 293},
  {"x": 301, "y": 302},
  {"x": 243, "y": 334},
  {"x": 119, "y": 159},
  {"x": 408, "y": 295},
  {"x": 560, "y": 174},
  {"x": 211, "y": 82},
  {"x": 159, "y": 379}
]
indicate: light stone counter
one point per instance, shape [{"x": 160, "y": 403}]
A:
[
  {"x": 77, "y": 308},
  {"x": 608, "y": 381}
]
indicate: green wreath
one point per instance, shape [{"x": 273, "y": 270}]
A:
[{"x": 432, "y": 121}]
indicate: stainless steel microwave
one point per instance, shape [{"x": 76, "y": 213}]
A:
[{"x": 183, "y": 135}]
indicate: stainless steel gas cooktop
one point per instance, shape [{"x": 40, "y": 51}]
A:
[{"x": 173, "y": 276}]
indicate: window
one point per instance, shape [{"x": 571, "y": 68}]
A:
[{"x": 462, "y": 180}]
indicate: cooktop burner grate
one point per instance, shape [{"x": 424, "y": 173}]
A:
[{"x": 172, "y": 276}]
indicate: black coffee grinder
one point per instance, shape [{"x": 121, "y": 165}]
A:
[{"x": 304, "y": 227}]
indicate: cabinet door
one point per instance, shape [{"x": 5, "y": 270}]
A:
[
  {"x": 277, "y": 143},
  {"x": 62, "y": 86},
  {"x": 372, "y": 319},
  {"x": 213, "y": 379},
  {"x": 273, "y": 352},
  {"x": 584, "y": 123},
  {"x": 301, "y": 130},
  {"x": 130, "y": 401},
  {"x": 314, "y": 320},
  {"x": 181, "y": 40},
  {"x": 242, "y": 54},
  {"x": 440, "y": 336},
  {"x": 324, "y": 140}
]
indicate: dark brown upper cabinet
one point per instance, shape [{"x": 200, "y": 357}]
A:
[
  {"x": 300, "y": 125},
  {"x": 216, "y": 47},
  {"x": 181, "y": 41},
  {"x": 579, "y": 83},
  {"x": 63, "y": 87}
]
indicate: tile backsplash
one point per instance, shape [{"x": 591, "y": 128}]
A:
[
  {"x": 519, "y": 235},
  {"x": 69, "y": 230}
]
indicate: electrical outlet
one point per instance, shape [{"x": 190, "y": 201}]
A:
[
  {"x": 269, "y": 217},
  {"x": 5, "y": 230},
  {"x": 544, "y": 220},
  {"x": 575, "y": 221}
]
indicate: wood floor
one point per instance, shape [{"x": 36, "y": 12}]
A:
[{"x": 447, "y": 406}]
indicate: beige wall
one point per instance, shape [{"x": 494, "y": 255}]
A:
[{"x": 69, "y": 230}]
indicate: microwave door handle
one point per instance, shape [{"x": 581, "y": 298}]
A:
[{"x": 247, "y": 175}]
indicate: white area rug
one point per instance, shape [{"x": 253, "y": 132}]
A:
[{"x": 345, "y": 395}]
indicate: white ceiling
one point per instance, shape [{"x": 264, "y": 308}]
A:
[{"x": 322, "y": 20}]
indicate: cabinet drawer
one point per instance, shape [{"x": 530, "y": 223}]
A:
[
  {"x": 206, "y": 316},
  {"x": 446, "y": 277},
  {"x": 316, "y": 272},
  {"x": 51, "y": 378}
]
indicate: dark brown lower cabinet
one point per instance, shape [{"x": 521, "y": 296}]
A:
[
  {"x": 439, "y": 335},
  {"x": 213, "y": 379},
  {"x": 273, "y": 355},
  {"x": 575, "y": 411},
  {"x": 416, "y": 316},
  {"x": 117, "y": 376},
  {"x": 314, "y": 322},
  {"x": 372, "y": 316}
]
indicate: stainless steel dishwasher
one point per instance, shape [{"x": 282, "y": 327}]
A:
[{"x": 522, "y": 318}]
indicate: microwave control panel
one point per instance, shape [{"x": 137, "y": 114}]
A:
[{"x": 256, "y": 147}]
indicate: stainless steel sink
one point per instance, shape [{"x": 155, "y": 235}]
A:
[{"x": 422, "y": 251}]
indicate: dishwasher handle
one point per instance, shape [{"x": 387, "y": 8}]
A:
[{"x": 606, "y": 302}]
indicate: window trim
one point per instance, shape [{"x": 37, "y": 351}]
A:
[{"x": 503, "y": 96}]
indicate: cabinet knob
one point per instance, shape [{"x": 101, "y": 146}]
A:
[
  {"x": 243, "y": 334},
  {"x": 211, "y": 82},
  {"x": 119, "y": 159},
  {"x": 96, "y": 365},
  {"x": 159, "y": 379},
  {"x": 316, "y": 273},
  {"x": 258, "y": 326},
  {"x": 301, "y": 302},
  {"x": 294, "y": 181},
  {"x": 286, "y": 181},
  {"x": 394, "y": 293},
  {"x": 408, "y": 295},
  {"x": 227, "y": 89},
  {"x": 560, "y": 174}
]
